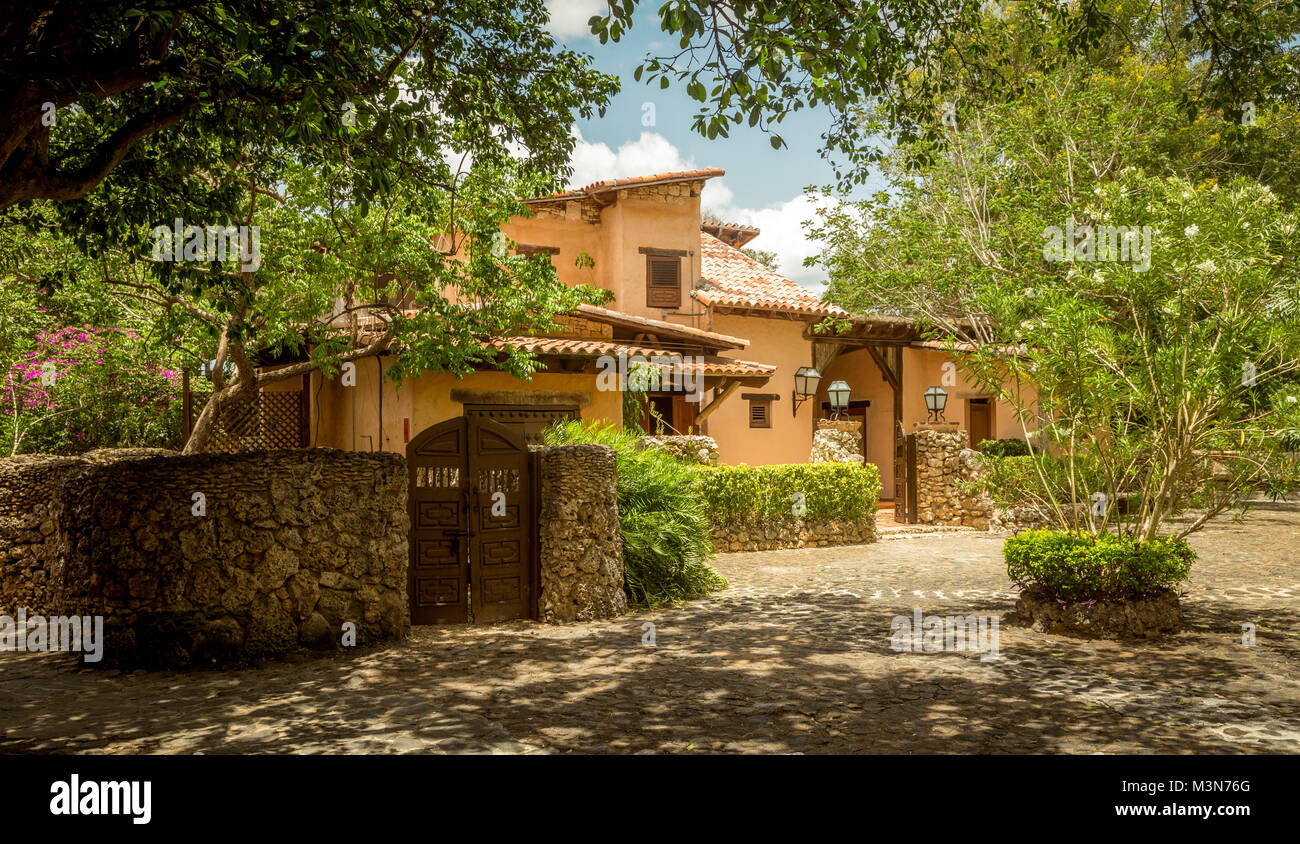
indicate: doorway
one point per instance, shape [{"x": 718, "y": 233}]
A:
[
  {"x": 980, "y": 421},
  {"x": 473, "y": 529}
]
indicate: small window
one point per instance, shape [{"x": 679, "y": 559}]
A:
[
  {"x": 663, "y": 287},
  {"x": 760, "y": 413}
]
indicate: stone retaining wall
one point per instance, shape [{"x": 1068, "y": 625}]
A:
[
  {"x": 793, "y": 533},
  {"x": 692, "y": 449},
  {"x": 29, "y": 541},
  {"x": 226, "y": 557},
  {"x": 580, "y": 544},
  {"x": 1031, "y": 517},
  {"x": 286, "y": 548}
]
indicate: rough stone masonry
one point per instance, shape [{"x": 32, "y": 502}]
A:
[
  {"x": 942, "y": 460},
  {"x": 580, "y": 542},
  {"x": 211, "y": 558}
]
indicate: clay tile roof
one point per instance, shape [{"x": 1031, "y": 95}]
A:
[
  {"x": 733, "y": 279},
  {"x": 660, "y": 178},
  {"x": 658, "y": 326},
  {"x": 634, "y": 181},
  {"x": 733, "y": 234},
  {"x": 595, "y": 348}
]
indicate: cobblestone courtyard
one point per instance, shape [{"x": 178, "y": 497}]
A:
[{"x": 794, "y": 657}]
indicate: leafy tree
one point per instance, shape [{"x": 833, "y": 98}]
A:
[
  {"x": 336, "y": 281},
  {"x": 84, "y": 387},
  {"x": 767, "y": 259},
  {"x": 375, "y": 147},
  {"x": 1142, "y": 316},
  {"x": 79, "y": 369},
  {"x": 164, "y": 106},
  {"x": 756, "y": 62}
]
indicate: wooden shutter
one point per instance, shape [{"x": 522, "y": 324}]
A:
[
  {"x": 663, "y": 287},
  {"x": 760, "y": 413}
]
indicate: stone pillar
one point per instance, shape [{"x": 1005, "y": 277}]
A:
[
  {"x": 942, "y": 460},
  {"x": 579, "y": 542},
  {"x": 837, "y": 442}
]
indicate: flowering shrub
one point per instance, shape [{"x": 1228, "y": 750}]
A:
[{"x": 83, "y": 387}]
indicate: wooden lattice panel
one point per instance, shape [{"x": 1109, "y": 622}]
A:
[{"x": 267, "y": 421}]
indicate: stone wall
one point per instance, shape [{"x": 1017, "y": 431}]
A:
[
  {"x": 288, "y": 546},
  {"x": 793, "y": 533},
  {"x": 1031, "y": 517},
  {"x": 29, "y": 486},
  {"x": 837, "y": 442},
  {"x": 579, "y": 542},
  {"x": 942, "y": 461},
  {"x": 692, "y": 449}
]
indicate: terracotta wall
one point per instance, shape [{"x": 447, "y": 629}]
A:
[
  {"x": 658, "y": 217},
  {"x": 777, "y": 342},
  {"x": 922, "y": 369},
  {"x": 348, "y": 417}
]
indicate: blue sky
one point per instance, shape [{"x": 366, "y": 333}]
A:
[{"x": 763, "y": 186}]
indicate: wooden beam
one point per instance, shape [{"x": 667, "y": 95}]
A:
[
  {"x": 732, "y": 386},
  {"x": 892, "y": 371}
]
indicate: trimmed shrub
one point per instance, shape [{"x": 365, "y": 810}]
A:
[
  {"x": 1079, "y": 567},
  {"x": 748, "y": 494},
  {"x": 665, "y": 526},
  {"x": 1015, "y": 481},
  {"x": 1009, "y": 447}
]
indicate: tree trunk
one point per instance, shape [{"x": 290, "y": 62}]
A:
[{"x": 206, "y": 423}]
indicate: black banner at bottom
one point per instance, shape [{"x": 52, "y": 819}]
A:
[{"x": 142, "y": 795}]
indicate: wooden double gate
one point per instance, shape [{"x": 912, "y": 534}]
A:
[{"x": 473, "y": 524}]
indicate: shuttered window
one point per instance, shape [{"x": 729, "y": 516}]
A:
[
  {"x": 663, "y": 287},
  {"x": 760, "y": 413}
]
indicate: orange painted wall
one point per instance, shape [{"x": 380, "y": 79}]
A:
[
  {"x": 922, "y": 369},
  {"x": 636, "y": 220},
  {"x": 857, "y": 368},
  {"x": 777, "y": 342},
  {"x": 348, "y": 417}
]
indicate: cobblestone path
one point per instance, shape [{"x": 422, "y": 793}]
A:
[{"x": 793, "y": 658}]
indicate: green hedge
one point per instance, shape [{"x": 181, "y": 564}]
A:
[
  {"x": 1073, "y": 568},
  {"x": 748, "y": 494},
  {"x": 1007, "y": 447}
]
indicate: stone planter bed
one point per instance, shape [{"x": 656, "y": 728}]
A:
[{"x": 1142, "y": 618}]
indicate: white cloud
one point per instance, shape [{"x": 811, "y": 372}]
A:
[
  {"x": 781, "y": 223},
  {"x": 569, "y": 17},
  {"x": 648, "y": 154},
  {"x": 782, "y": 232}
]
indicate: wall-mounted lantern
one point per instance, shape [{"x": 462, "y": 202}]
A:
[
  {"x": 838, "y": 393},
  {"x": 806, "y": 380},
  {"x": 936, "y": 399}
]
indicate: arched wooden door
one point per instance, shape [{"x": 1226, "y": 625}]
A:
[{"x": 472, "y": 538}]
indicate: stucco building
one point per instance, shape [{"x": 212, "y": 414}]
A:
[{"x": 682, "y": 291}]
